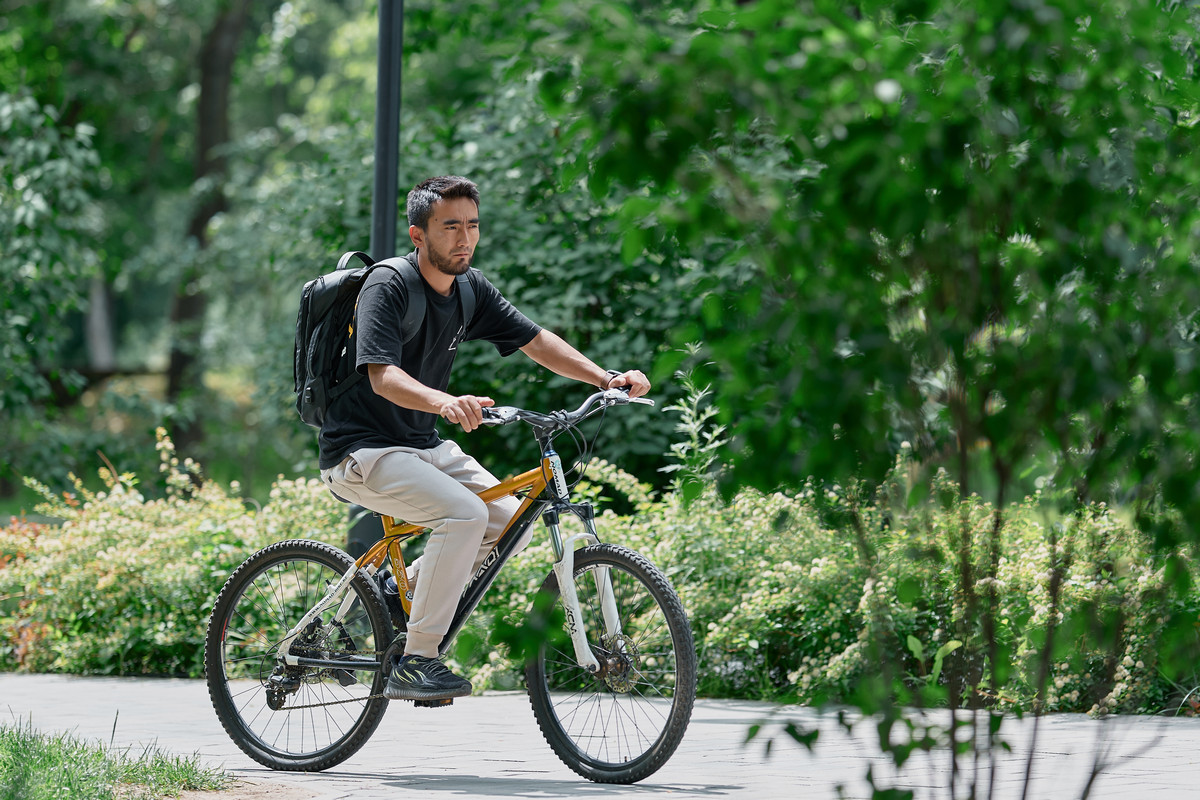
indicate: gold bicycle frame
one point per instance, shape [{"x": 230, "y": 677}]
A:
[{"x": 532, "y": 483}]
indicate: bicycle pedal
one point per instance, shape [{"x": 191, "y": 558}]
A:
[{"x": 433, "y": 703}]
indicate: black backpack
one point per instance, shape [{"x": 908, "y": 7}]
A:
[{"x": 323, "y": 361}]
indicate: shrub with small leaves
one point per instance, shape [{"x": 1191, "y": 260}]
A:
[
  {"x": 125, "y": 583},
  {"x": 786, "y": 599},
  {"x": 785, "y": 605}
]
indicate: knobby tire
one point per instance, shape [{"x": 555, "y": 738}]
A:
[
  {"x": 622, "y": 726},
  {"x": 261, "y": 601}
]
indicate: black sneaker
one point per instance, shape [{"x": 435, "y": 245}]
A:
[{"x": 420, "y": 678}]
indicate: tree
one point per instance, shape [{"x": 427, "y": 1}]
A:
[
  {"x": 158, "y": 82},
  {"x": 965, "y": 226},
  {"x": 953, "y": 223},
  {"x": 45, "y": 224},
  {"x": 217, "y": 56}
]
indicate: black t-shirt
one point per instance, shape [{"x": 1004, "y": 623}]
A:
[{"x": 362, "y": 418}]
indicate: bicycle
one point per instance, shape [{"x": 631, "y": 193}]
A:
[{"x": 300, "y": 639}]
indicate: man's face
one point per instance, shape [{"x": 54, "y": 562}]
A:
[{"x": 452, "y": 235}]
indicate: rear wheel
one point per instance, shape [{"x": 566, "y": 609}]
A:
[
  {"x": 622, "y": 724},
  {"x": 296, "y": 717}
]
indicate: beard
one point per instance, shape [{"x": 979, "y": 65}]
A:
[{"x": 449, "y": 265}]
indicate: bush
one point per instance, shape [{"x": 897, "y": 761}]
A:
[
  {"x": 789, "y": 597},
  {"x": 124, "y": 585},
  {"x": 785, "y": 605}
]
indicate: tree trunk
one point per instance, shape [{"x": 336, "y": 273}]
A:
[
  {"x": 101, "y": 350},
  {"x": 217, "y": 55}
]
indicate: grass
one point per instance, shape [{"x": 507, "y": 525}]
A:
[{"x": 35, "y": 766}]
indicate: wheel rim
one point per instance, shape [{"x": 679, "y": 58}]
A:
[
  {"x": 279, "y": 708},
  {"x": 617, "y": 717}
]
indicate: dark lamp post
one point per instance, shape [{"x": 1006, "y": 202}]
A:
[{"x": 365, "y": 528}]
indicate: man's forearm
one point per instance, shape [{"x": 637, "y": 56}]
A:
[
  {"x": 549, "y": 350},
  {"x": 396, "y": 385}
]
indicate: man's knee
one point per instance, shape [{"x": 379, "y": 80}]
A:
[
  {"x": 461, "y": 513},
  {"x": 474, "y": 512}
]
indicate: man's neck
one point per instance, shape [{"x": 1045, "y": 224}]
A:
[{"x": 440, "y": 281}]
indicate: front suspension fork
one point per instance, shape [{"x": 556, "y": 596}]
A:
[{"x": 564, "y": 571}]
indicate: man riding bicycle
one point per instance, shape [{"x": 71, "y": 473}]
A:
[{"x": 378, "y": 444}]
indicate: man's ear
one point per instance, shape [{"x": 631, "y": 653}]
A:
[{"x": 417, "y": 235}]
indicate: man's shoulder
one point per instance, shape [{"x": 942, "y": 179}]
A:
[
  {"x": 480, "y": 283},
  {"x": 395, "y": 276}
]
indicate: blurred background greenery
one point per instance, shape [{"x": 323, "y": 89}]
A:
[
  {"x": 966, "y": 226},
  {"x": 935, "y": 261},
  {"x": 148, "y": 282}
]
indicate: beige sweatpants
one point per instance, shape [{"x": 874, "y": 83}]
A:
[{"x": 434, "y": 489}]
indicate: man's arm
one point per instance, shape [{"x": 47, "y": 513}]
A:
[
  {"x": 549, "y": 350},
  {"x": 396, "y": 385}
]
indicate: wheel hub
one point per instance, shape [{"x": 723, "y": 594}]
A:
[{"x": 619, "y": 663}]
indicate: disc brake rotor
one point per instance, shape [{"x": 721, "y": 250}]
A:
[{"x": 620, "y": 664}]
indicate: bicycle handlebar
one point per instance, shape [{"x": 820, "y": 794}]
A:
[{"x": 503, "y": 415}]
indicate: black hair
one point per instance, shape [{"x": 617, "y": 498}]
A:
[{"x": 429, "y": 191}]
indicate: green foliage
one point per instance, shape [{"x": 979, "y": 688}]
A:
[
  {"x": 34, "y": 766},
  {"x": 697, "y": 451},
  {"x": 782, "y": 602},
  {"x": 46, "y": 179},
  {"x": 783, "y": 606},
  {"x": 129, "y": 74},
  {"x": 957, "y": 224},
  {"x": 124, "y": 584}
]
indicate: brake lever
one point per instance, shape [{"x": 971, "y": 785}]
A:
[
  {"x": 499, "y": 415},
  {"x": 620, "y": 396}
]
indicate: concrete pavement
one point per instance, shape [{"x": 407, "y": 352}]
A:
[{"x": 489, "y": 746}]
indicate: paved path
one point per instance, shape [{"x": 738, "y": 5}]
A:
[{"x": 490, "y": 746}]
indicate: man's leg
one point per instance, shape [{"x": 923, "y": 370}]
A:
[
  {"x": 406, "y": 484},
  {"x": 452, "y": 461}
]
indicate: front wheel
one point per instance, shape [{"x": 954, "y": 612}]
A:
[
  {"x": 297, "y": 716},
  {"x": 623, "y": 723}
]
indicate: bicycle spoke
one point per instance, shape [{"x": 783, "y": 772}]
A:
[
  {"x": 609, "y": 725},
  {"x": 293, "y": 712}
]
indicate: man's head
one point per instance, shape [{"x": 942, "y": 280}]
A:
[
  {"x": 443, "y": 221},
  {"x": 428, "y": 192}
]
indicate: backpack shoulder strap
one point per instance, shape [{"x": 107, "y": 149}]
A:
[
  {"x": 414, "y": 289},
  {"x": 414, "y": 286},
  {"x": 466, "y": 298}
]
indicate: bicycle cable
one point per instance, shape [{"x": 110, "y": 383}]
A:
[{"x": 587, "y": 448}]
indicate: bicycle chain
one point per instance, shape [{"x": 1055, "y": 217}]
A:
[{"x": 333, "y": 703}]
